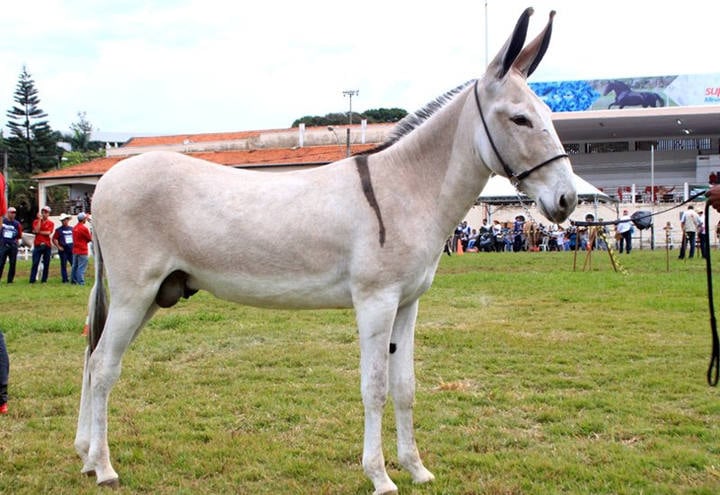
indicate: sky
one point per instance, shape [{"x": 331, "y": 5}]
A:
[{"x": 197, "y": 66}]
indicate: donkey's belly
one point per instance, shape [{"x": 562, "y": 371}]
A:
[{"x": 280, "y": 291}]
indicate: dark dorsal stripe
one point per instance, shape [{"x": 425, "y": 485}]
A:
[{"x": 361, "y": 162}]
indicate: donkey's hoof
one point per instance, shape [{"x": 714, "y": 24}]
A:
[
  {"x": 389, "y": 489},
  {"x": 423, "y": 476},
  {"x": 113, "y": 483}
]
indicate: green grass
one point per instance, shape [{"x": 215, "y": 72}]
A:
[{"x": 532, "y": 379}]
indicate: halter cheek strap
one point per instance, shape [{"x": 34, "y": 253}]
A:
[{"x": 514, "y": 177}]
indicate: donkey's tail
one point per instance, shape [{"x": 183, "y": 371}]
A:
[{"x": 98, "y": 304}]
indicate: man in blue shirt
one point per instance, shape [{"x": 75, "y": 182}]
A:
[
  {"x": 63, "y": 240},
  {"x": 10, "y": 238}
]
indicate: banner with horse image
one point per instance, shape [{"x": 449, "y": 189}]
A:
[{"x": 634, "y": 92}]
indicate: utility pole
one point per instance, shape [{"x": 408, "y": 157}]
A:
[{"x": 350, "y": 93}]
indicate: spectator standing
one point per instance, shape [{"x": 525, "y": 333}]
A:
[
  {"x": 43, "y": 228},
  {"x": 63, "y": 241},
  {"x": 497, "y": 233},
  {"x": 625, "y": 229},
  {"x": 11, "y": 237},
  {"x": 701, "y": 233},
  {"x": 4, "y": 374},
  {"x": 81, "y": 237},
  {"x": 518, "y": 241},
  {"x": 689, "y": 224}
]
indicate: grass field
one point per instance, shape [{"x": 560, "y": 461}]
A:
[{"x": 532, "y": 379}]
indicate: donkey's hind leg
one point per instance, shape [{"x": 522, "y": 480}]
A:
[
  {"x": 402, "y": 389},
  {"x": 82, "y": 436},
  {"x": 104, "y": 364}
]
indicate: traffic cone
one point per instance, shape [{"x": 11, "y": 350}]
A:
[{"x": 459, "y": 248}]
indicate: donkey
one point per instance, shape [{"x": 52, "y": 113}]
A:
[{"x": 353, "y": 225}]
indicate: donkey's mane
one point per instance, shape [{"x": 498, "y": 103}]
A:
[{"x": 414, "y": 120}]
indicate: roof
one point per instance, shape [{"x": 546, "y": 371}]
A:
[
  {"x": 192, "y": 138},
  {"x": 309, "y": 155},
  {"x": 634, "y": 123}
]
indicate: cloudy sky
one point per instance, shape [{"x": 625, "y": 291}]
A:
[{"x": 192, "y": 66}]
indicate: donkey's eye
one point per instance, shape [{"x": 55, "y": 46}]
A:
[{"x": 521, "y": 120}]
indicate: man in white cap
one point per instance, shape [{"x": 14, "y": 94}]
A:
[
  {"x": 81, "y": 238},
  {"x": 10, "y": 239},
  {"x": 43, "y": 228},
  {"x": 63, "y": 241}
]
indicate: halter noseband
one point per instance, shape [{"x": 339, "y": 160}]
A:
[{"x": 514, "y": 178}]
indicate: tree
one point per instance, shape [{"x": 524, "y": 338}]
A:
[
  {"x": 81, "y": 132},
  {"x": 32, "y": 144},
  {"x": 378, "y": 115},
  {"x": 373, "y": 116}
]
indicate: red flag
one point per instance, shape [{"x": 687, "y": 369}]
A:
[{"x": 3, "y": 199}]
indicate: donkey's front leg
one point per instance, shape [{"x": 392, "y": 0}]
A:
[
  {"x": 402, "y": 389},
  {"x": 375, "y": 319}
]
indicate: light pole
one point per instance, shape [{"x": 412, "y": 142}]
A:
[
  {"x": 486, "y": 35},
  {"x": 350, "y": 93}
]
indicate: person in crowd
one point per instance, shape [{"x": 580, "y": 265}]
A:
[
  {"x": 689, "y": 225},
  {"x": 587, "y": 234},
  {"x": 11, "y": 236},
  {"x": 43, "y": 228},
  {"x": 518, "y": 233},
  {"x": 625, "y": 229},
  {"x": 472, "y": 240},
  {"x": 4, "y": 374},
  {"x": 81, "y": 237},
  {"x": 497, "y": 233},
  {"x": 63, "y": 241},
  {"x": 484, "y": 228},
  {"x": 701, "y": 233}
]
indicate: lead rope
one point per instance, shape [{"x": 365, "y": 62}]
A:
[{"x": 714, "y": 367}]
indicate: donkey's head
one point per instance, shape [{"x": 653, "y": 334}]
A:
[{"x": 517, "y": 138}]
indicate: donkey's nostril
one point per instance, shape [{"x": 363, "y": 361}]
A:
[{"x": 563, "y": 202}]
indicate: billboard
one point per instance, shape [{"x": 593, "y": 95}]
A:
[{"x": 632, "y": 92}]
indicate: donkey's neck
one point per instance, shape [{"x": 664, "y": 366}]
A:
[{"x": 437, "y": 164}]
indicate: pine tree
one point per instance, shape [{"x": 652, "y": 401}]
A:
[{"x": 32, "y": 143}]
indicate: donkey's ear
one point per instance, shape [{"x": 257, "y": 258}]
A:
[
  {"x": 533, "y": 53},
  {"x": 504, "y": 60}
]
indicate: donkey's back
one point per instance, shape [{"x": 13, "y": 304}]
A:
[{"x": 283, "y": 239}]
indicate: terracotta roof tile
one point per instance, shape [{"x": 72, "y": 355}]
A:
[
  {"x": 194, "y": 138},
  {"x": 246, "y": 158}
]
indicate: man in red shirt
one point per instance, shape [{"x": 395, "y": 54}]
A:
[
  {"x": 43, "y": 228},
  {"x": 81, "y": 236}
]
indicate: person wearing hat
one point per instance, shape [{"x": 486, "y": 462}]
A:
[
  {"x": 43, "y": 228},
  {"x": 11, "y": 236},
  {"x": 63, "y": 241},
  {"x": 81, "y": 238}
]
